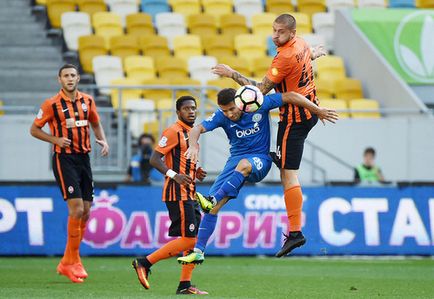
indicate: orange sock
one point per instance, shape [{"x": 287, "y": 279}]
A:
[
  {"x": 71, "y": 255},
  {"x": 187, "y": 270},
  {"x": 82, "y": 229},
  {"x": 294, "y": 204},
  {"x": 173, "y": 248}
]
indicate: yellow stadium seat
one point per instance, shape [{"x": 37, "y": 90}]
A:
[
  {"x": 171, "y": 67},
  {"x": 140, "y": 24},
  {"x": 91, "y": 6},
  {"x": 262, "y": 24},
  {"x": 218, "y": 45},
  {"x": 348, "y": 89},
  {"x": 166, "y": 109},
  {"x": 140, "y": 67},
  {"x": 124, "y": 45},
  {"x": 90, "y": 46},
  {"x": 217, "y": 7},
  {"x": 187, "y": 82},
  {"x": 336, "y": 104},
  {"x": 279, "y": 7},
  {"x": 1, "y": 111},
  {"x": 185, "y": 46},
  {"x": 41, "y": 2},
  {"x": 240, "y": 64},
  {"x": 425, "y": 4},
  {"x": 186, "y": 7},
  {"x": 152, "y": 128},
  {"x": 261, "y": 66},
  {"x": 127, "y": 94},
  {"x": 330, "y": 67},
  {"x": 55, "y": 9},
  {"x": 250, "y": 46},
  {"x": 157, "y": 94},
  {"x": 325, "y": 88},
  {"x": 311, "y": 7},
  {"x": 154, "y": 46},
  {"x": 304, "y": 24},
  {"x": 220, "y": 83},
  {"x": 233, "y": 24},
  {"x": 367, "y": 104},
  {"x": 107, "y": 25},
  {"x": 202, "y": 24}
]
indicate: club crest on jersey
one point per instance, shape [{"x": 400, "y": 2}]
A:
[
  {"x": 191, "y": 227},
  {"x": 40, "y": 113},
  {"x": 256, "y": 117},
  {"x": 274, "y": 71},
  {"x": 84, "y": 107},
  {"x": 70, "y": 189},
  {"x": 163, "y": 141}
]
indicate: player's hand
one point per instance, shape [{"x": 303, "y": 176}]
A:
[
  {"x": 105, "y": 147},
  {"x": 183, "y": 179},
  {"x": 223, "y": 70},
  {"x": 200, "y": 174},
  {"x": 63, "y": 142},
  {"x": 318, "y": 51},
  {"x": 192, "y": 153},
  {"x": 326, "y": 114}
]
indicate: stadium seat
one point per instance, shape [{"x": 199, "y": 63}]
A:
[
  {"x": 261, "y": 66},
  {"x": 91, "y": 6},
  {"x": 425, "y": 4},
  {"x": 41, "y": 2},
  {"x": 185, "y": 46},
  {"x": 233, "y": 24},
  {"x": 202, "y": 24},
  {"x": 139, "y": 24},
  {"x": 55, "y": 9},
  {"x": 271, "y": 47},
  {"x": 154, "y": 7},
  {"x": 166, "y": 111},
  {"x": 250, "y": 46},
  {"x": 311, "y": 7},
  {"x": 187, "y": 82},
  {"x": 314, "y": 39},
  {"x": 140, "y": 67},
  {"x": 123, "y": 8},
  {"x": 325, "y": 88},
  {"x": 279, "y": 7},
  {"x": 171, "y": 67},
  {"x": 323, "y": 24},
  {"x": 337, "y": 104},
  {"x": 262, "y": 24},
  {"x": 372, "y": 3},
  {"x": 332, "y": 5},
  {"x": 218, "y": 45},
  {"x": 127, "y": 94},
  {"x": 170, "y": 25},
  {"x": 74, "y": 25},
  {"x": 367, "y": 104},
  {"x": 238, "y": 63},
  {"x": 348, "y": 89},
  {"x": 402, "y": 3},
  {"x": 217, "y": 7},
  {"x": 142, "y": 112},
  {"x": 107, "y": 69},
  {"x": 107, "y": 25},
  {"x": 186, "y": 7},
  {"x": 304, "y": 26},
  {"x": 200, "y": 68},
  {"x": 220, "y": 83},
  {"x": 124, "y": 45},
  {"x": 1, "y": 110},
  {"x": 154, "y": 46},
  {"x": 157, "y": 94},
  {"x": 90, "y": 46},
  {"x": 330, "y": 67},
  {"x": 248, "y": 8}
]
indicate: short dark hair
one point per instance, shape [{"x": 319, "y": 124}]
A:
[
  {"x": 68, "y": 66},
  {"x": 287, "y": 19},
  {"x": 146, "y": 135},
  {"x": 225, "y": 96},
  {"x": 369, "y": 150},
  {"x": 180, "y": 101}
]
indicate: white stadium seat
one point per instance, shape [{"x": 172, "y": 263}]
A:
[
  {"x": 323, "y": 24},
  {"x": 123, "y": 8},
  {"x": 143, "y": 111},
  {"x": 200, "y": 68},
  {"x": 74, "y": 25},
  {"x": 170, "y": 25},
  {"x": 248, "y": 8},
  {"x": 106, "y": 69}
]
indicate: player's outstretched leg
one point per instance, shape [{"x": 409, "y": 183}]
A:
[
  {"x": 194, "y": 257},
  {"x": 142, "y": 272},
  {"x": 292, "y": 241},
  {"x": 206, "y": 204}
]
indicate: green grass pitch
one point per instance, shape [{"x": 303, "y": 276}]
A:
[{"x": 225, "y": 277}]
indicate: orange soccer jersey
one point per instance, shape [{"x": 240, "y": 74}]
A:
[
  {"x": 291, "y": 70},
  {"x": 173, "y": 145},
  {"x": 69, "y": 119}
]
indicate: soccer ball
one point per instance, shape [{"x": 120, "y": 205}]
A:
[{"x": 248, "y": 98}]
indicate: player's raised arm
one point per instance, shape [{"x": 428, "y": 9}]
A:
[
  {"x": 192, "y": 152},
  {"x": 299, "y": 100}
]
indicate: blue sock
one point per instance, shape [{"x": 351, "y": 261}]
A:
[
  {"x": 206, "y": 228},
  {"x": 231, "y": 187}
]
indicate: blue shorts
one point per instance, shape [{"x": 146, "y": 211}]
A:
[{"x": 261, "y": 165}]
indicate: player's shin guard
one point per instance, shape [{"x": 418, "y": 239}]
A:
[
  {"x": 207, "y": 227},
  {"x": 231, "y": 187}
]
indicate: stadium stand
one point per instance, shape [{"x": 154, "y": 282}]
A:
[
  {"x": 74, "y": 25},
  {"x": 171, "y": 67},
  {"x": 323, "y": 24},
  {"x": 186, "y": 7},
  {"x": 90, "y": 46},
  {"x": 310, "y": 7},
  {"x": 107, "y": 25},
  {"x": 154, "y": 7},
  {"x": 157, "y": 94},
  {"x": 91, "y": 6},
  {"x": 123, "y": 8},
  {"x": 186, "y": 46},
  {"x": 279, "y": 6},
  {"x": 203, "y": 25},
  {"x": 170, "y": 25},
  {"x": 248, "y": 8},
  {"x": 330, "y": 67},
  {"x": 143, "y": 113},
  {"x": 124, "y": 45},
  {"x": 218, "y": 45},
  {"x": 402, "y": 3},
  {"x": 106, "y": 69},
  {"x": 364, "y": 104},
  {"x": 261, "y": 24},
  {"x": 55, "y": 9},
  {"x": 139, "y": 24},
  {"x": 126, "y": 94},
  {"x": 140, "y": 67},
  {"x": 154, "y": 45},
  {"x": 233, "y": 24},
  {"x": 217, "y": 7},
  {"x": 340, "y": 105},
  {"x": 200, "y": 66},
  {"x": 371, "y": 3},
  {"x": 348, "y": 89}
]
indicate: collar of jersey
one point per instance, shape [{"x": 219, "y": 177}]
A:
[
  {"x": 183, "y": 124},
  {"x": 288, "y": 44},
  {"x": 78, "y": 95}
]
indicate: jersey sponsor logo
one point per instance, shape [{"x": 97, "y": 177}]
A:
[
  {"x": 81, "y": 123},
  {"x": 248, "y": 132},
  {"x": 258, "y": 163},
  {"x": 84, "y": 107},
  {"x": 274, "y": 71},
  {"x": 70, "y": 122},
  {"x": 256, "y": 117},
  {"x": 211, "y": 117},
  {"x": 163, "y": 141},
  {"x": 191, "y": 227},
  {"x": 40, "y": 113}
]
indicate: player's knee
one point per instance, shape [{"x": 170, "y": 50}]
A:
[
  {"x": 289, "y": 178},
  {"x": 77, "y": 212},
  {"x": 244, "y": 167}
]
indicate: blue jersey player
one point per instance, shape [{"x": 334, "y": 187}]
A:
[{"x": 249, "y": 137}]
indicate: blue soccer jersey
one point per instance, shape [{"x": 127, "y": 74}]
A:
[{"x": 251, "y": 133}]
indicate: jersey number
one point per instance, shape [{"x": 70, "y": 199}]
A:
[{"x": 304, "y": 78}]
